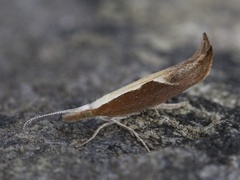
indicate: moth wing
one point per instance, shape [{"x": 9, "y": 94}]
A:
[{"x": 158, "y": 77}]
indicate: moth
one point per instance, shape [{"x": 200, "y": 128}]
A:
[{"x": 147, "y": 93}]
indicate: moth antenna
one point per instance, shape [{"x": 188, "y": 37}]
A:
[{"x": 47, "y": 115}]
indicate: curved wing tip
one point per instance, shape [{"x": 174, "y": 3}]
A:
[
  {"x": 205, "y": 38},
  {"x": 204, "y": 35},
  {"x": 206, "y": 46}
]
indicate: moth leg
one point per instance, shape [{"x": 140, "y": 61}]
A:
[
  {"x": 95, "y": 133},
  {"x": 130, "y": 130},
  {"x": 170, "y": 106},
  {"x": 113, "y": 121}
]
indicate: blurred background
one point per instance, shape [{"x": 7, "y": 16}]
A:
[
  {"x": 59, "y": 54},
  {"x": 81, "y": 49}
]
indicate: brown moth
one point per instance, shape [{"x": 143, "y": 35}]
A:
[{"x": 146, "y": 93}]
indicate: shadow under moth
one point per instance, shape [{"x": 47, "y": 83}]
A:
[{"x": 147, "y": 93}]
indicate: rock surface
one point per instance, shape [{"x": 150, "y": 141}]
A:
[{"x": 60, "y": 54}]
